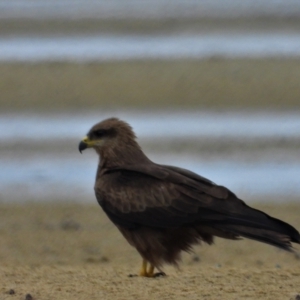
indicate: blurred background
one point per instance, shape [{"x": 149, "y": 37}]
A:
[{"x": 211, "y": 86}]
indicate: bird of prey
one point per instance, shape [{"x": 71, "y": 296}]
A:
[{"x": 163, "y": 210}]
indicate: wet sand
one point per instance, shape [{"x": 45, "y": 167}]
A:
[
  {"x": 72, "y": 251},
  {"x": 44, "y": 26},
  {"x": 216, "y": 83}
]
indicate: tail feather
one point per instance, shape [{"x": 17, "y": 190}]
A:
[
  {"x": 257, "y": 225},
  {"x": 267, "y": 222},
  {"x": 270, "y": 237}
]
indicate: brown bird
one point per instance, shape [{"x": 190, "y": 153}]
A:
[{"x": 163, "y": 210}]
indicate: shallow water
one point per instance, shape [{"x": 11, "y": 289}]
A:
[
  {"x": 121, "y": 47},
  {"x": 50, "y": 178},
  {"x": 155, "y": 124},
  {"x": 40, "y": 161}
]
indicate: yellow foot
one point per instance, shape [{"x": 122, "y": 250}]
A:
[
  {"x": 144, "y": 272},
  {"x": 150, "y": 272}
]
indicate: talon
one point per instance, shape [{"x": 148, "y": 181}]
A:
[{"x": 159, "y": 274}]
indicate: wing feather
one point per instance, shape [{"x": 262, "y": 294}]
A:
[{"x": 147, "y": 197}]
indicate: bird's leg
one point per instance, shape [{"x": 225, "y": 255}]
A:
[
  {"x": 143, "y": 271},
  {"x": 151, "y": 271},
  {"x": 147, "y": 273}
]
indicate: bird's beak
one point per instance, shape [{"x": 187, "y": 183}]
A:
[{"x": 85, "y": 143}]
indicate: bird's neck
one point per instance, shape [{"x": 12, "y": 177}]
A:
[{"x": 122, "y": 156}]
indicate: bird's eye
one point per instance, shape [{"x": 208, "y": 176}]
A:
[{"x": 100, "y": 133}]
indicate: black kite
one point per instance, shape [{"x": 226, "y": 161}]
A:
[{"x": 163, "y": 210}]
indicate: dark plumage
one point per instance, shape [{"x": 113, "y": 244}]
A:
[{"x": 163, "y": 210}]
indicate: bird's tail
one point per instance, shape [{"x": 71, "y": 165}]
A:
[
  {"x": 254, "y": 224},
  {"x": 267, "y": 234}
]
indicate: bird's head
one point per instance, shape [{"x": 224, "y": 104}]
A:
[{"x": 109, "y": 136}]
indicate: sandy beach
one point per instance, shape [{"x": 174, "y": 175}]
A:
[{"x": 72, "y": 251}]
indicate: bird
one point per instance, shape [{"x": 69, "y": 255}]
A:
[{"x": 163, "y": 210}]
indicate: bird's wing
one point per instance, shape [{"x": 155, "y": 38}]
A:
[
  {"x": 153, "y": 196},
  {"x": 169, "y": 197}
]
